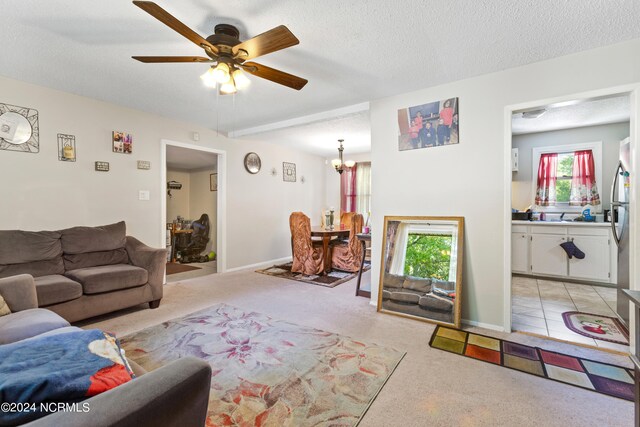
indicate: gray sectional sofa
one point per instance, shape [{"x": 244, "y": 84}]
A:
[
  {"x": 82, "y": 272},
  {"x": 175, "y": 395},
  {"x": 418, "y": 296}
]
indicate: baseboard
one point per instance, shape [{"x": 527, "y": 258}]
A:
[
  {"x": 260, "y": 264},
  {"x": 482, "y": 325}
]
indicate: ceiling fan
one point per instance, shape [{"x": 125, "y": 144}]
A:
[{"x": 229, "y": 54}]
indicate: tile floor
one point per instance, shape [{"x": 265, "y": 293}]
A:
[{"x": 537, "y": 307}]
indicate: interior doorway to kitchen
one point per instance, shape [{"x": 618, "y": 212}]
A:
[
  {"x": 191, "y": 209},
  {"x": 564, "y": 256}
]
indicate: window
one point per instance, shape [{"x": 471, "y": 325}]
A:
[
  {"x": 555, "y": 185},
  {"x": 428, "y": 256},
  {"x": 355, "y": 189},
  {"x": 363, "y": 188},
  {"x": 564, "y": 175}
]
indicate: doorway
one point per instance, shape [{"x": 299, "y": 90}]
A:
[
  {"x": 191, "y": 208},
  {"x": 544, "y": 280}
]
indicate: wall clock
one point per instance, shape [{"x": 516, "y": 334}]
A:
[
  {"x": 252, "y": 163},
  {"x": 19, "y": 129}
]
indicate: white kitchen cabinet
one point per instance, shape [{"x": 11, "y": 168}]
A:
[
  {"x": 536, "y": 250},
  {"x": 597, "y": 261},
  {"x": 520, "y": 252},
  {"x": 547, "y": 257}
]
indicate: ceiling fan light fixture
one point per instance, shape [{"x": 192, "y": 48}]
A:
[
  {"x": 208, "y": 79},
  {"x": 241, "y": 79},
  {"x": 228, "y": 88},
  {"x": 221, "y": 73}
]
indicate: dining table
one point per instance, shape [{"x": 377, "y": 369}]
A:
[{"x": 327, "y": 234}]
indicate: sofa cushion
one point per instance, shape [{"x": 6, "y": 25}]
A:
[
  {"x": 393, "y": 280},
  {"x": 435, "y": 302},
  {"x": 443, "y": 284},
  {"x": 17, "y": 246},
  {"x": 34, "y": 268},
  {"x": 93, "y": 259},
  {"x": 409, "y": 297},
  {"x": 79, "y": 240},
  {"x": 386, "y": 295},
  {"x": 28, "y": 323},
  {"x": 417, "y": 284},
  {"x": 55, "y": 289},
  {"x": 109, "y": 278}
]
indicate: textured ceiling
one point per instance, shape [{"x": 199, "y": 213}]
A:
[
  {"x": 351, "y": 51},
  {"x": 321, "y": 137},
  {"x": 186, "y": 159},
  {"x": 584, "y": 113}
]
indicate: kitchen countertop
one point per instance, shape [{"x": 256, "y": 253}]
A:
[{"x": 564, "y": 223}]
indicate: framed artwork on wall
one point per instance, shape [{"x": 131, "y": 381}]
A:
[
  {"x": 288, "y": 172},
  {"x": 66, "y": 148},
  {"x": 429, "y": 125},
  {"x": 19, "y": 129},
  {"x": 122, "y": 142}
]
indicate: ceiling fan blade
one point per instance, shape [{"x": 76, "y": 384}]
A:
[
  {"x": 276, "y": 76},
  {"x": 166, "y": 18},
  {"x": 154, "y": 59},
  {"x": 275, "y": 39}
]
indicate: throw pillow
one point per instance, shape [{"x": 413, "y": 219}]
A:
[{"x": 4, "y": 308}]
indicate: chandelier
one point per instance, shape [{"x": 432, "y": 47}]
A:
[
  {"x": 339, "y": 164},
  {"x": 228, "y": 76}
]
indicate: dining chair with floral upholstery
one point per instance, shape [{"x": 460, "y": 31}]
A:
[
  {"x": 308, "y": 256},
  {"x": 347, "y": 256}
]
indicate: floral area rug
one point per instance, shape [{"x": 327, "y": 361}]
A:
[
  {"x": 596, "y": 326},
  {"x": 330, "y": 280},
  {"x": 268, "y": 372}
]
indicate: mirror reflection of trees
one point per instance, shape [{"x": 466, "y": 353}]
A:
[{"x": 428, "y": 256}]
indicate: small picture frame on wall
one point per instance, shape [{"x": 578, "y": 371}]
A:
[
  {"x": 102, "y": 166},
  {"x": 122, "y": 142},
  {"x": 288, "y": 172},
  {"x": 213, "y": 182},
  {"x": 66, "y": 148}
]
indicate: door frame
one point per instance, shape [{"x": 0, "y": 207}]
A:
[
  {"x": 221, "y": 214},
  {"x": 634, "y": 221}
]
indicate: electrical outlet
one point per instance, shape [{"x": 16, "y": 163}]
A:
[{"x": 143, "y": 195}]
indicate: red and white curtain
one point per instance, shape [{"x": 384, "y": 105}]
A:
[
  {"x": 546, "y": 188},
  {"x": 583, "y": 184},
  {"x": 348, "y": 189}
]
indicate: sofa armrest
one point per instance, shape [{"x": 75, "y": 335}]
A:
[
  {"x": 19, "y": 292},
  {"x": 151, "y": 259},
  {"x": 175, "y": 395}
]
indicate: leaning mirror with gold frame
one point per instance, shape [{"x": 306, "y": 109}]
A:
[{"x": 421, "y": 269}]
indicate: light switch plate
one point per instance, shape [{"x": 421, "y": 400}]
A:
[{"x": 143, "y": 195}]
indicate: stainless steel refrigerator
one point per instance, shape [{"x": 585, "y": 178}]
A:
[{"x": 620, "y": 209}]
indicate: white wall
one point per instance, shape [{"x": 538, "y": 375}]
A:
[
  {"x": 609, "y": 134},
  {"x": 332, "y": 184},
  {"x": 178, "y": 204},
  {"x": 468, "y": 179},
  {"x": 40, "y": 192}
]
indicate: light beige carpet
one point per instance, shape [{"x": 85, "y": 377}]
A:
[{"x": 430, "y": 387}]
